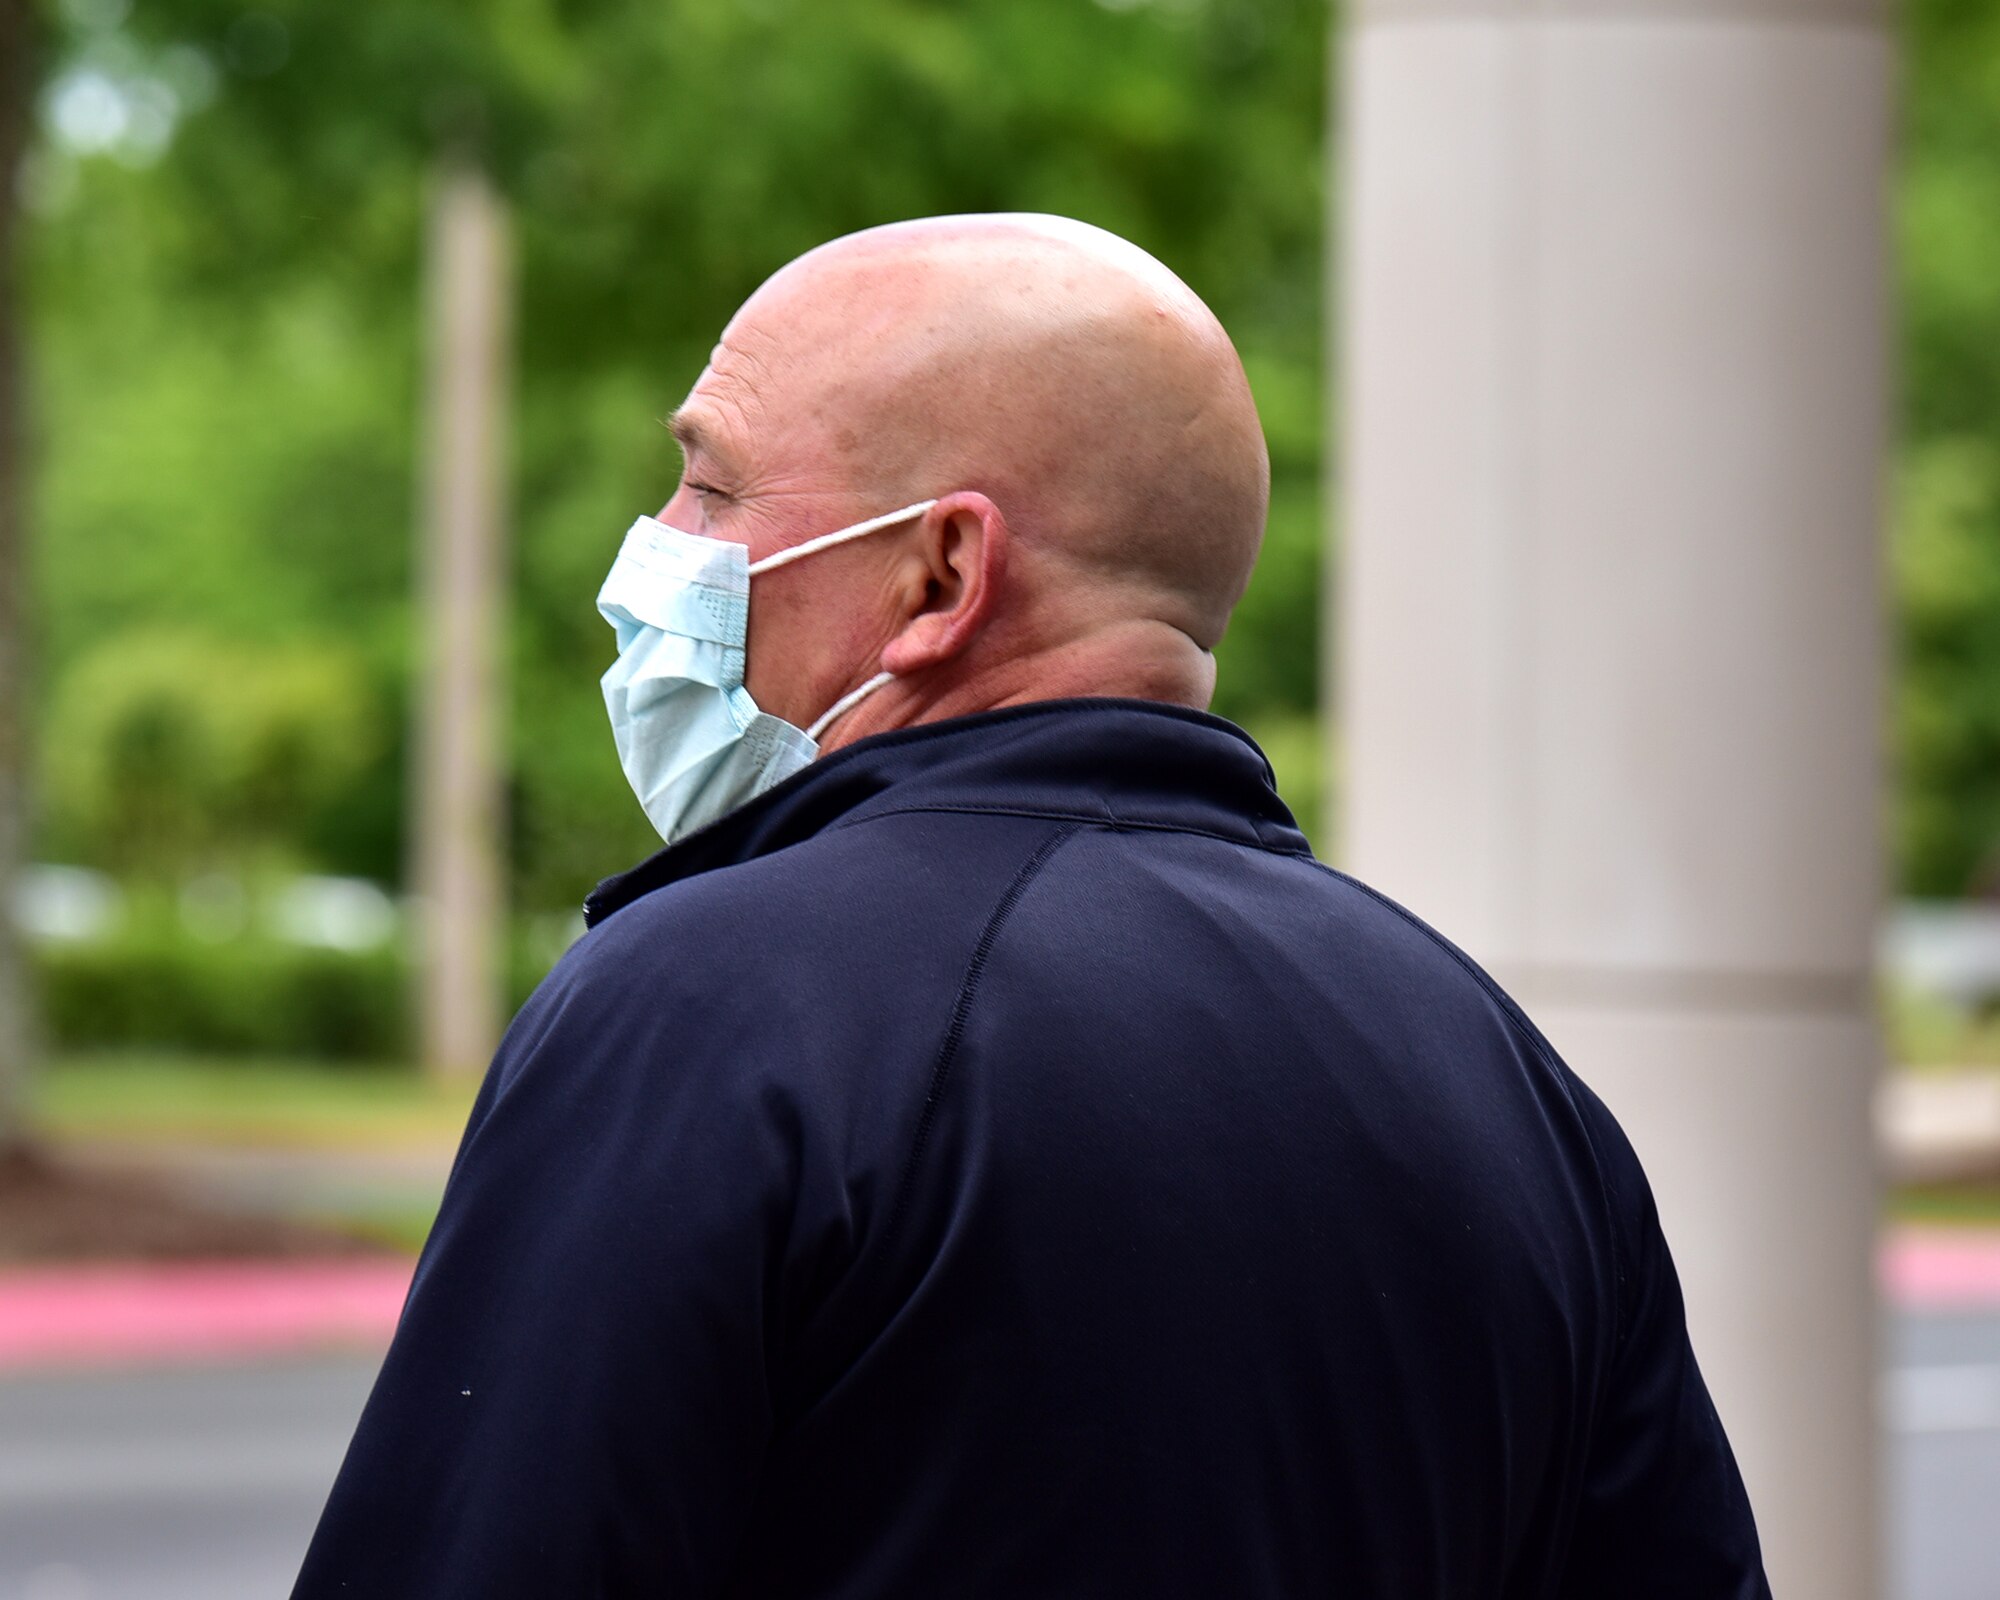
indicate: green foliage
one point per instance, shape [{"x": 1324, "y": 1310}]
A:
[
  {"x": 1947, "y": 565},
  {"x": 152, "y": 985},
  {"x": 245, "y": 996},
  {"x": 228, "y": 332},
  {"x": 178, "y": 751},
  {"x": 226, "y": 337},
  {"x": 1947, "y": 504},
  {"x": 1268, "y": 662}
]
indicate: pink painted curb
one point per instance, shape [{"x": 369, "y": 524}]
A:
[
  {"x": 52, "y": 1317},
  {"x": 112, "y": 1315},
  {"x": 1940, "y": 1269}
]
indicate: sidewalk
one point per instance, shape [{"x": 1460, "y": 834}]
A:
[
  {"x": 402, "y": 1183},
  {"x": 1940, "y": 1125}
]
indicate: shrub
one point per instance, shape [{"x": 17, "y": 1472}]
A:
[
  {"x": 152, "y": 986},
  {"x": 251, "y": 996}
]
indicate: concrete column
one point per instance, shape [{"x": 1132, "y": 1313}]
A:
[
  {"x": 1607, "y": 634},
  {"x": 459, "y": 770}
]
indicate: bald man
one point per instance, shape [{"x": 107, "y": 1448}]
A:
[{"x": 984, "y": 1154}]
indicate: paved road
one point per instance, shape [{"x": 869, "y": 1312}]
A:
[
  {"x": 1941, "y": 1402},
  {"x": 204, "y": 1484},
  {"x": 196, "y": 1484}
]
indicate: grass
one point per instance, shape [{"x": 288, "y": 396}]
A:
[
  {"x": 398, "y": 1227},
  {"x": 1964, "y": 1205},
  {"x": 1929, "y": 1034},
  {"x": 252, "y": 1102}
]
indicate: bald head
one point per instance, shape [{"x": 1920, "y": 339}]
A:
[
  {"x": 1052, "y": 365},
  {"x": 1078, "y": 413}
]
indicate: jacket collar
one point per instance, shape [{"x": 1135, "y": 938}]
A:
[{"x": 1123, "y": 763}]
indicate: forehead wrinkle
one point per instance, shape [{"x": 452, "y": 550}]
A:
[{"x": 727, "y": 393}]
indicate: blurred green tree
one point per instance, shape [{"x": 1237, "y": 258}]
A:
[
  {"x": 18, "y": 55},
  {"x": 1946, "y": 527},
  {"x": 182, "y": 753},
  {"x": 231, "y": 314},
  {"x": 222, "y": 268}
]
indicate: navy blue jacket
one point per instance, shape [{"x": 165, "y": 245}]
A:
[{"x": 1001, "y": 1162}]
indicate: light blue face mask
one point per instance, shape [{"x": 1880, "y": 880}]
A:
[{"x": 692, "y": 742}]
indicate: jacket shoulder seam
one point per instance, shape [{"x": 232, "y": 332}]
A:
[{"x": 961, "y": 1010}]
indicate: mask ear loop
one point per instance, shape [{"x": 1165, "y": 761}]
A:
[
  {"x": 826, "y": 541},
  {"x": 840, "y": 536},
  {"x": 847, "y": 702}
]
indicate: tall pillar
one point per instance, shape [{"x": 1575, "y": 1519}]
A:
[
  {"x": 459, "y": 768},
  {"x": 1607, "y": 632}
]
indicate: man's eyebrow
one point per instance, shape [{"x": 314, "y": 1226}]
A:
[{"x": 690, "y": 434}]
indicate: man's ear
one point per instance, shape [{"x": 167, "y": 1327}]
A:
[{"x": 951, "y": 579}]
